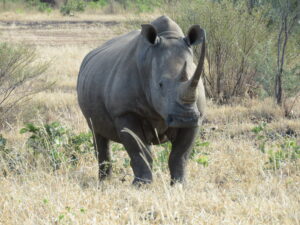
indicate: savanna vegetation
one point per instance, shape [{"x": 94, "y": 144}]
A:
[{"x": 245, "y": 166}]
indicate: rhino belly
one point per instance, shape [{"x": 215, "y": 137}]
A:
[
  {"x": 99, "y": 121},
  {"x": 91, "y": 101}
]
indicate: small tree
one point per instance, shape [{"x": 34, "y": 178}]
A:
[
  {"x": 232, "y": 35},
  {"x": 18, "y": 68},
  {"x": 288, "y": 14}
]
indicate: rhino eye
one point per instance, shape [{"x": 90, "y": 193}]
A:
[{"x": 160, "y": 84}]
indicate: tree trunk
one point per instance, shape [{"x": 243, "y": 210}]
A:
[
  {"x": 251, "y": 4},
  {"x": 287, "y": 24},
  {"x": 281, "y": 46},
  {"x": 278, "y": 88}
]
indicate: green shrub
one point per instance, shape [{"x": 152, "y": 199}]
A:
[
  {"x": 19, "y": 68},
  {"x": 97, "y": 4},
  {"x": 72, "y": 6},
  {"x": 288, "y": 151},
  {"x": 57, "y": 143},
  {"x": 40, "y": 6},
  {"x": 279, "y": 149}
]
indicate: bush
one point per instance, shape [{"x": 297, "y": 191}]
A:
[
  {"x": 265, "y": 63},
  {"x": 18, "y": 68},
  {"x": 57, "y": 143},
  {"x": 42, "y": 6},
  {"x": 232, "y": 35},
  {"x": 285, "y": 150},
  {"x": 97, "y": 4},
  {"x": 72, "y": 6}
]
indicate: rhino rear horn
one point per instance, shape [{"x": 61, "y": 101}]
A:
[{"x": 149, "y": 32}]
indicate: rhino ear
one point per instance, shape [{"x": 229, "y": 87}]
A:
[
  {"x": 149, "y": 32},
  {"x": 195, "y": 35}
]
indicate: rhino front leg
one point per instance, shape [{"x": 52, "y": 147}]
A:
[
  {"x": 181, "y": 148},
  {"x": 132, "y": 137},
  {"x": 101, "y": 145}
]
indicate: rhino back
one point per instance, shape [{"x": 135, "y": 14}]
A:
[{"x": 106, "y": 82}]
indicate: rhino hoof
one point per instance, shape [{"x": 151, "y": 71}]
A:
[{"x": 138, "y": 182}]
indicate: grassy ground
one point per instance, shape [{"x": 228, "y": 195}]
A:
[{"x": 235, "y": 175}]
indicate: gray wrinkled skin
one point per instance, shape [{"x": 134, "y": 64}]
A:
[{"x": 136, "y": 88}]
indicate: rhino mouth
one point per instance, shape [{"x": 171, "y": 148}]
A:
[{"x": 186, "y": 120}]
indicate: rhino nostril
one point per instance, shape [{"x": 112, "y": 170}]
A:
[{"x": 188, "y": 100}]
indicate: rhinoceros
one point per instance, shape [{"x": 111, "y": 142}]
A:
[{"x": 142, "y": 89}]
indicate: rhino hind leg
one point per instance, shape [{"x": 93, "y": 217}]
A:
[
  {"x": 133, "y": 138},
  {"x": 102, "y": 150},
  {"x": 181, "y": 148}
]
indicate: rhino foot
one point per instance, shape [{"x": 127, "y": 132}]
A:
[{"x": 138, "y": 182}]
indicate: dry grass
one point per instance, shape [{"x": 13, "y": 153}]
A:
[{"x": 236, "y": 187}]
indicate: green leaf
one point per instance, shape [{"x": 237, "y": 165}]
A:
[
  {"x": 61, "y": 216},
  {"x": 82, "y": 210},
  {"x": 203, "y": 160},
  {"x": 24, "y": 130},
  {"x": 31, "y": 127},
  {"x": 203, "y": 144}
]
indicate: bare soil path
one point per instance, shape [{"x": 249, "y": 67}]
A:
[{"x": 61, "y": 32}]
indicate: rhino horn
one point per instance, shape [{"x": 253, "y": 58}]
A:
[
  {"x": 196, "y": 77},
  {"x": 189, "y": 91},
  {"x": 183, "y": 74}
]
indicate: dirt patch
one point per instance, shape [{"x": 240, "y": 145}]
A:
[
  {"x": 54, "y": 23},
  {"x": 60, "y": 32}
]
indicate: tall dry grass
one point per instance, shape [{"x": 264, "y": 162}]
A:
[{"x": 236, "y": 186}]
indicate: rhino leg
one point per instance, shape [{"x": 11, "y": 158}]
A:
[
  {"x": 133, "y": 138},
  {"x": 103, "y": 156},
  {"x": 181, "y": 148}
]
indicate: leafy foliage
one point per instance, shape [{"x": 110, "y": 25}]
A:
[
  {"x": 259, "y": 128},
  {"x": 57, "y": 143},
  {"x": 161, "y": 156},
  {"x": 40, "y": 6},
  {"x": 199, "y": 154},
  {"x": 289, "y": 150},
  {"x": 72, "y": 6},
  {"x": 286, "y": 149}
]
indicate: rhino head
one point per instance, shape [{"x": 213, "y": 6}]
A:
[{"x": 172, "y": 78}]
